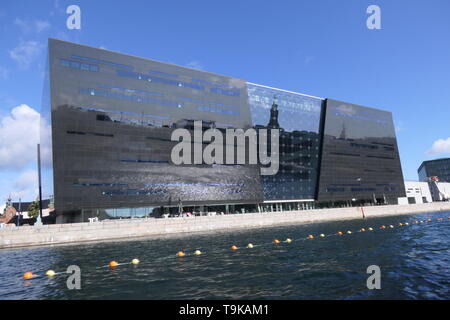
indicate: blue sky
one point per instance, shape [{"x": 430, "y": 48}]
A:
[{"x": 319, "y": 47}]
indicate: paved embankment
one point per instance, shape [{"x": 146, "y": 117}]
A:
[{"x": 119, "y": 229}]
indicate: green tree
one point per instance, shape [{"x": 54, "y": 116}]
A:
[{"x": 33, "y": 209}]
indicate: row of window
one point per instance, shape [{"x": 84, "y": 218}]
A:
[
  {"x": 166, "y": 74},
  {"x": 333, "y": 189},
  {"x": 358, "y": 155},
  {"x": 124, "y": 113},
  {"x": 141, "y": 76},
  {"x": 100, "y": 61},
  {"x": 361, "y": 117},
  {"x": 144, "y": 192},
  {"x": 78, "y": 65},
  {"x": 100, "y": 185},
  {"x": 209, "y": 103},
  {"x": 127, "y": 90},
  {"x": 144, "y": 161},
  {"x": 91, "y": 134},
  {"x": 216, "y": 84},
  {"x": 120, "y": 96},
  {"x": 182, "y": 84},
  {"x": 219, "y": 110}
]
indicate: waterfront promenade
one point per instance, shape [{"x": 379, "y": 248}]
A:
[{"x": 132, "y": 228}]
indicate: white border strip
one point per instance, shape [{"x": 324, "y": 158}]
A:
[
  {"x": 286, "y": 201},
  {"x": 300, "y": 94}
]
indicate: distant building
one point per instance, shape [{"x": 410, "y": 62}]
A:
[
  {"x": 435, "y": 168},
  {"x": 418, "y": 192}
]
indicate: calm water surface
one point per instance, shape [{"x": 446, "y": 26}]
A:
[{"x": 414, "y": 262}]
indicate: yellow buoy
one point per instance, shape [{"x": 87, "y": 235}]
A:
[
  {"x": 233, "y": 247},
  {"x": 400, "y": 224},
  {"x": 310, "y": 236},
  {"x": 113, "y": 264},
  {"x": 391, "y": 226},
  {"x": 362, "y": 230},
  {"x": 28, "y": 275},
  {"x": 340, "y": 233},
  {"x": 370, "y": 229},
  {"x": 276, "y": 241},
  {"x": 250, "y": 246},
  {"x": 197, "y": 252},
  {"x": 50, "y": 273},
  {"x": 322, "y": 235},
  {"x": 406, "y": 224},
  {"x": 181, "y": 254},
  {"x": 135, "y": 261},
  {"x": 288, "y": 240},
  {"x": 349, "y": 232}
]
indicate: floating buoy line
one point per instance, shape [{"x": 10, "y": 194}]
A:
[{"x": 276, "y": 242}]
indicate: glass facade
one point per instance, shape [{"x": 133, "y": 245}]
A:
[
  {"x": 435, "y": 168},
  {"x": 298, "y": 119},
  {"x": 112, "y": 119},
  {"x": 360, "y": 157},
  {"x": 106, "y": 135}
]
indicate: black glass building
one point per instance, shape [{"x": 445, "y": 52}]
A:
[
  {"x": 107, "y": 122},
  {"x": 435, "y": 168}
]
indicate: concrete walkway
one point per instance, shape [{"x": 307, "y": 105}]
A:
[{"x": 120, "y": 229}]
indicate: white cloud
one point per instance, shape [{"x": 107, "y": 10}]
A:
[
  {"x": 30, "y": 26},
  {"x": 440, "y": 146},
  {"x": 26, "y": 185},
  {"x": 399, "y": 127},
  {"x": 25, "y": 53},
  {"x": 19, "y": 132},
  {"x": 194, "y": 64}
]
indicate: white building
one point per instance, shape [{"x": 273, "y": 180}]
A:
[{"x": 425, "y": 192}]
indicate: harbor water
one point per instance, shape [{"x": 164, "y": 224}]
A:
[{"x": 414, "y": 260}]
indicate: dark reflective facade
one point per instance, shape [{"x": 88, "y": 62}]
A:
[
  {"x": 435, "y": 168},
  {"x": 298, "y": 119},
  {"x": 112, "y": 118},
  {"x": 360, "y": 158},
  {"x": 107, "y": 124}
]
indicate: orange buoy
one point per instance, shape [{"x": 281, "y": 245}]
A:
[
  {"x": 310, "y": 236},
  {"x": 416, "y": 222},
  {"x": 276, "y": 241},
  {"x": 340, "y": 233},
  {"x": 28, "y": 275},
  {"x": 429, "y": 220},
  {"x": 233, "y": 247},
  {"x": 362, "y": 230},
  {"x": 181, "y": 254},
  {"x": 383, "y": 227},
  {"x": 113, "y": 264}
]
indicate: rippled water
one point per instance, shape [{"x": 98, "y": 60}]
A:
[{"x": 414, "y": 262}]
